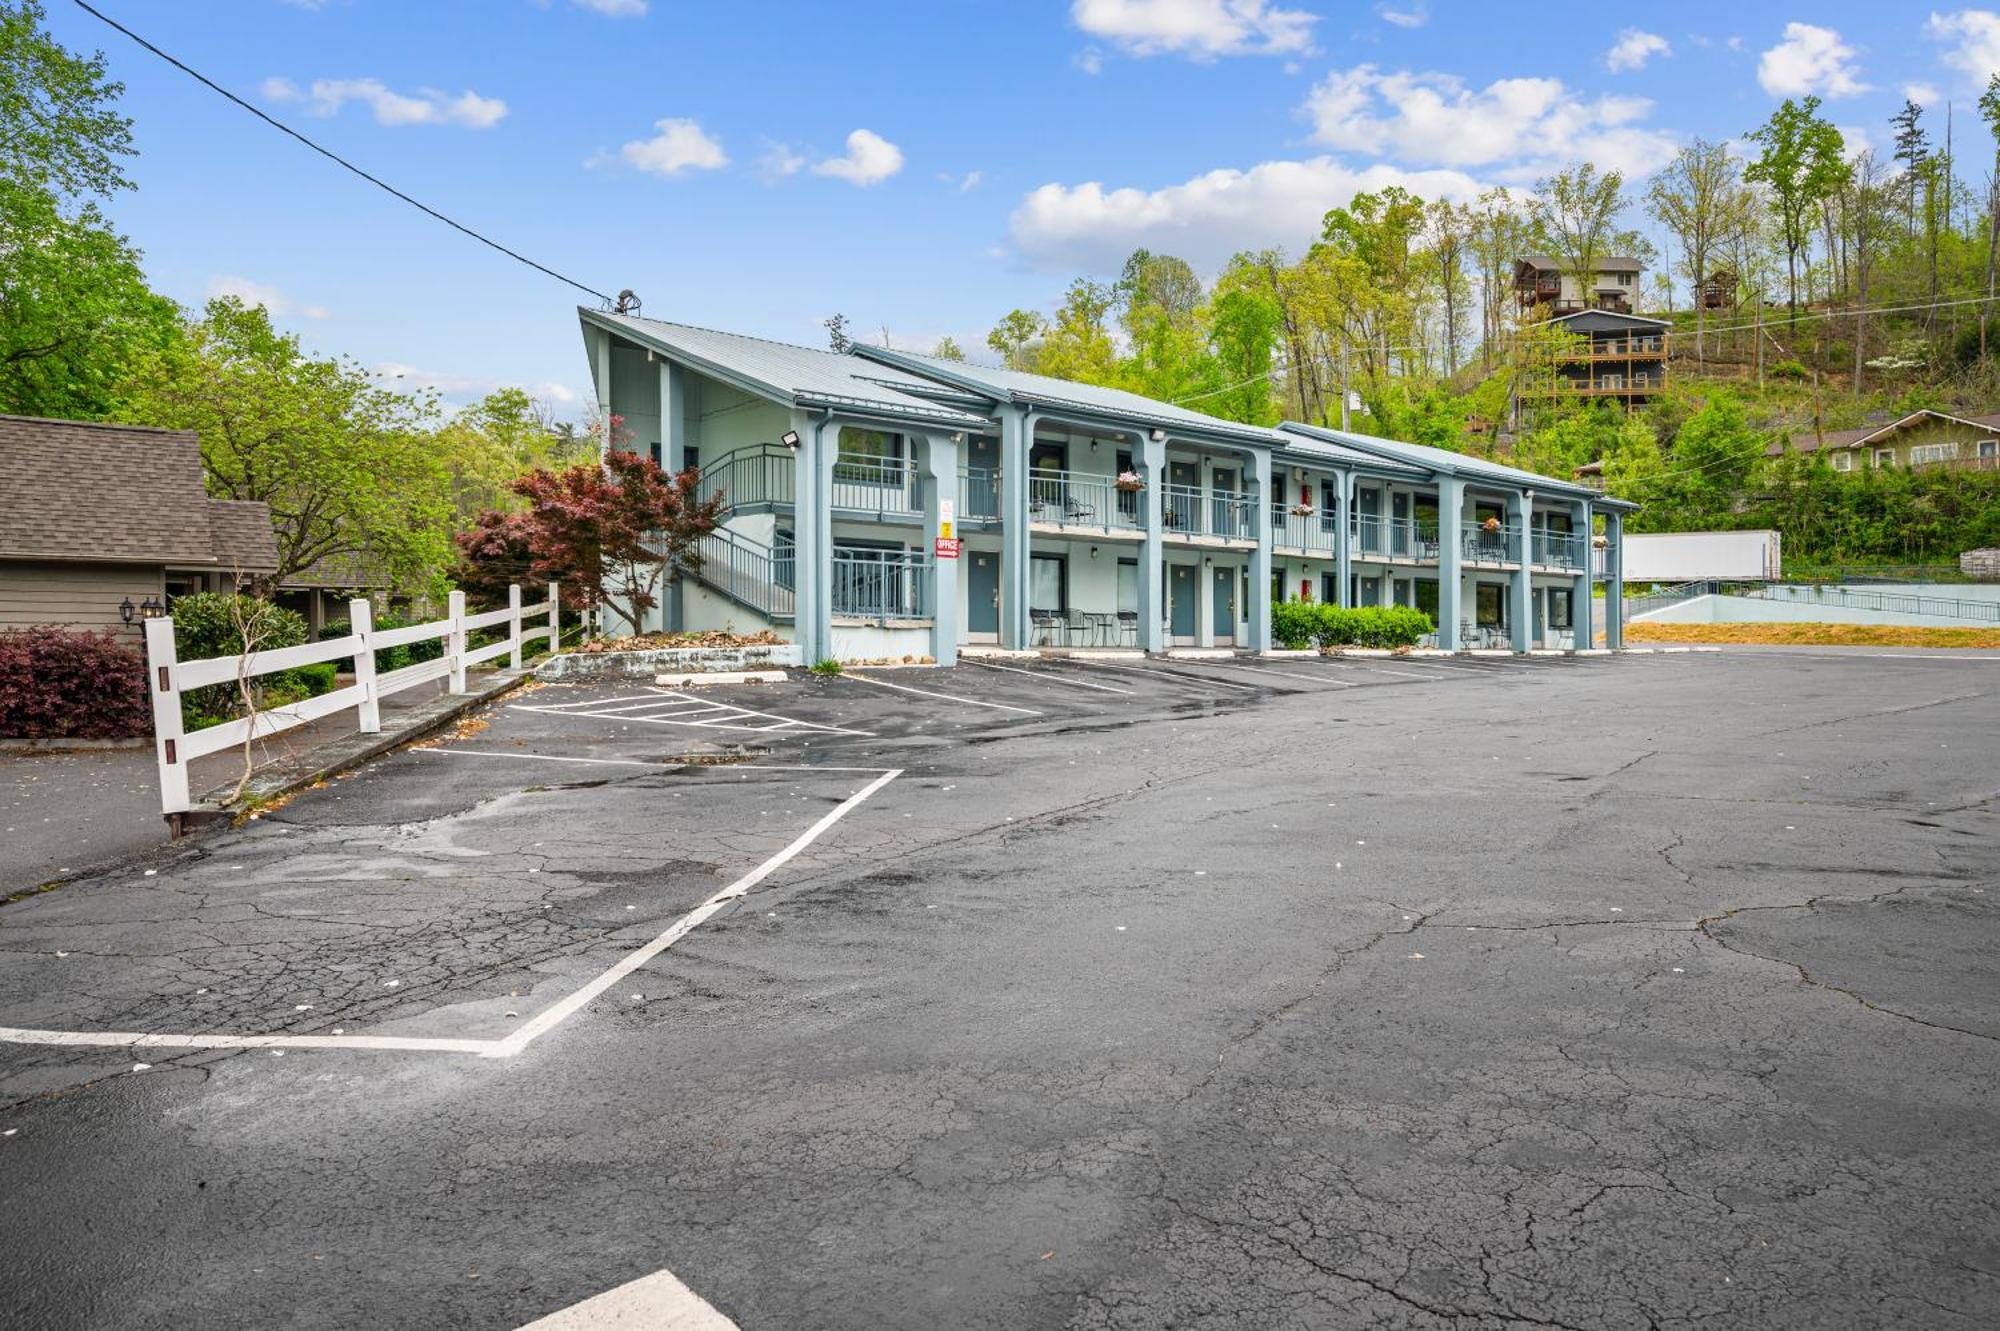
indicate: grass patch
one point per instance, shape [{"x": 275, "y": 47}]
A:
[{"x": 1815, "y": 635}]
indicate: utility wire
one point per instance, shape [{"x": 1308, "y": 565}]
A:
[{"x": 335, "y": 157}]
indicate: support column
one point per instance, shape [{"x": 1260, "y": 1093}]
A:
[
  {"x": 1259, "y": 609},
  {"x": 939, "y": 461},
  {"x": 1520, "y": 611},
  {"x": 1579, "y": 595},
  {"x": 1614, "y": 579},
  {"x": 1017, "y": 432},
  {"x": 1451, "y": 503},
  {"x": 673, "y": 456},
  {"x": 1343, "y": 577},
  {"x": 812, "y": 534},
  {"x": 1204, "y": 602},
  {"x": 1151, "y": 457}
]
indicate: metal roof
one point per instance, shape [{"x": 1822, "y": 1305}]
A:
[
  {"x": 1326, "y": 452},
  {"x": 1019, "y": 386},
  {"x": 1444, "y": 461},
  {"x": 804, "y": 376}
]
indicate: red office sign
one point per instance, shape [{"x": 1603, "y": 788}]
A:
[{"x": 947, "y": 547}]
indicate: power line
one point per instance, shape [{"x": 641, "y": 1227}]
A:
[{"x": 335, "y": 157}]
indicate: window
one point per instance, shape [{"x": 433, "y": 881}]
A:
[
  {"x": 1427, "y": 597},
  {"x": 1329, "y": 589},
  {"x": 1989, "y": 448},
  {"x": 1559, "y": 607},
  {"x": 690, "y": 457},
  {"x": 784, "y": 559},
  {"x": 1884, "y": 457},
  {"x": 1128, "y": 586},
  {"x": 1843, "y": 461},
  {"x": 1490, "y": 605},
  {"x": 1046, "y": 583},
  {"x": 869, "y": 456},
  {"x": 1923, "y": 453}
]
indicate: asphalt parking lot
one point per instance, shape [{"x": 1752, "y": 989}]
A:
[{"x": 1593, "y": 992}]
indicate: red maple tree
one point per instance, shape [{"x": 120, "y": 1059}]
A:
[{"x": 612, "y": 535}]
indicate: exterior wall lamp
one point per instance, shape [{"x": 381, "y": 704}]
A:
[
  {"x": 790, "y": 439},
  {"x": 1159, "y": 436},
  {"x": 150, "y": 608}
]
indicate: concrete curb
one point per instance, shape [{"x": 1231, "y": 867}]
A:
[
  {"x": 285, "y": 775},
  {"x": 72, "y": 745}
]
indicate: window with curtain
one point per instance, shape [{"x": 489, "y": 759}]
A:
[{"x": 1045, "y": 584}]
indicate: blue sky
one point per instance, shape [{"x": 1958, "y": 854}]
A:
[{"x": 921, "y": 167}]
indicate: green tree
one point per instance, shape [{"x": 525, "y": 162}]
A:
[
  {"x": 1800, "y": 163},
  {"x": 1246, "y": 326},
  {"x": 495, "y": 441},
  {"x": 349, "y": 470},
  {"x": 1079, "y": 346},
  {"x": 948, "y": 349},
  {"x": 59, "y": 131},
  {"x": 1578, "y": 211},
  {"x": 1018, "y": 337},
  {"x": 1699, "y": 196}
]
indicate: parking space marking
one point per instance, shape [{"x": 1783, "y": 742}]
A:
[
  {"x": 1051, "y": 677},
  {"x": 668, "y": 708},
  {"x": 1384, "y": 670},
  {"x": 543, "y": 1022},
  {"x": 1163, "y": 674},
  {"x": 948, "y": 697},
  {"x": 1275, "y": 670},
  {"x": 658, "y": 1302}
]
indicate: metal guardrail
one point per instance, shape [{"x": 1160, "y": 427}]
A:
[
  {"x": 1080, "y": 499},
  {"x": 875, "y": 485},
  {"x": 1317, "y": 530},
  {"x": 1480, "y": 544},
  {"x": 1662, "y": 597},
  {"x": 749, "y": 476},
  {"x": 887, "y": 586},
  {"x": 1190, "y": 510},
  {"x": 1557, "y": 549},
  {"x": 749, "y": 573},
  {"x": 978, "y": 494},
  {"x": 1863, "y": 598},
  {"x": 1393, "y": 538}
]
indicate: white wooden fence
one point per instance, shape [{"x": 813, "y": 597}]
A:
[{"x": 168, "y": 677}]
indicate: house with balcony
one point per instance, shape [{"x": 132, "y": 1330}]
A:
[
  {"x": 1613, "y": 357},
  {"x": 1544, "y": 288},
  {"x": 1922, "y": 439},
  {"x": 880, "y": 503}
]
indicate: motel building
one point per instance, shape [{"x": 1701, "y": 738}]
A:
[{"x": 885, "y": 504}]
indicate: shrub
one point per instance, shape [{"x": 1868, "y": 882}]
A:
[
  {"x": 827, "y": 667},
  {"x": 58, "y": 683},
  {"x": 388, "y": 658},
  {"x": 208, "y": 624},
  {"x": 1292, "y": 624},
  {"x": 1790, "y": 369},
  {"x": 1299, "y": 624}
]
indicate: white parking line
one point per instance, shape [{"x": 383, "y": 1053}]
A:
[
  {"x": 1273, "y": 670},
  {"x": 668, "y": 708},
  {"x": 1047, "y": 676},
  {"x": 1163, "y": 674},
  {"x": 658, "y": 1302},
  {"x": 1384, "y": 670},
  {"x": 949, "y": 697},
  {"x": 542, "y": 1023}
]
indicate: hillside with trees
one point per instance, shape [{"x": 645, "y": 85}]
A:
[{"x": 1848, "y": 290}]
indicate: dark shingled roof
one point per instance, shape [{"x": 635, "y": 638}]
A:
[
  {"x": 1609, "y": 263},
  {"x": 83, "y": 491},
  {"x": 1803, "y": 441}
]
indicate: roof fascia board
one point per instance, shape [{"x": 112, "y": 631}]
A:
[{"x": 1363, "y": 445}]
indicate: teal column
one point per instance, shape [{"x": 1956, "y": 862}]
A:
[
  {"x": 1451, "y": 517},
  {"x": 1520, "y": 608},
  {"x": 940, "y": 473},
  {"x": 1614, "y": 579},
  {"x": 812, "y": 535},
  {"x": 1343, "y": 575},
  {"x": 1017, "y": 429},
  {"x": 1260, "y": 562},
  {"x": 1579, "y": 595},
  {"x": 673, "y": 456},
  {"x": 1151, "y": 457}
]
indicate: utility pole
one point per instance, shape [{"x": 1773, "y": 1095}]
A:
[{"x": 1343, "y": 385}]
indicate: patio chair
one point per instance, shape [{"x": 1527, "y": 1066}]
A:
[{"x": 1075, "y": 510}]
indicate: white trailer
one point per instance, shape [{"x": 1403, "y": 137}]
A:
[{"x": 1685, "y": 556}]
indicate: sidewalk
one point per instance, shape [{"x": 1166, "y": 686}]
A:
[{"x": 62, "y": 814}]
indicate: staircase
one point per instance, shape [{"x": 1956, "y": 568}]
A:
[{"x": 748, "y": 573}]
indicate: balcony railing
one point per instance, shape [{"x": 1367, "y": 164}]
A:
[
  {"x": 1557, "y": 549},
  {"x": 753, "y": 574},
  {"x": 978, "y": 494},
  {"x": 875, "y": 485},
  {"x": 1080, "y": 499},
  {"x": 748, "y": 477},
  {"x": 1189, "y": 510},
  {"x": 1317, "y": 530},
  {"x": 887, "y": 586},
  {"x": 1480, "y": 544},
  {"x": 1394, "y": 538}
]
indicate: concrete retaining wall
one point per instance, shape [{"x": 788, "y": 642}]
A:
[
  {"x": 1755, "y": 610},
  {"x": 666, "y": 661}
]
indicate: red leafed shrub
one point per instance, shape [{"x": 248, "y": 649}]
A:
[{"x": 58, "y": 683}]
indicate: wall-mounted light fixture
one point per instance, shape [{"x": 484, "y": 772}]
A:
[
  {"x": 1159, "y": 436},
  {"x": 150, "y": 608},
  {"x": 126, "y": 610},
  {"x": 790, "y": 439},
  {"x": 1093, "y": 552}
]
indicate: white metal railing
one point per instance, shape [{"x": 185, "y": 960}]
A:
[
  {"x": 1313, "y": 529},
  {"x": 168, "y": 677},
  {"x": 1080, "y": 499},
  {"x": 874, "y": 485},
  {"x": 1190, "y": 510}
]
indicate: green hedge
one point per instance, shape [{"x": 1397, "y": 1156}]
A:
[
  {"x": 1301, "y": 624},
  {"x": 209, "y": 624},
  {"x": 389, "y": 658}
]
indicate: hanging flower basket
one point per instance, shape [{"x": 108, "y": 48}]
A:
[
  {"x": 1491, "y": 524},
  {"x": 1302, "y": 510},
  {"x": 1131, "y": 482}
]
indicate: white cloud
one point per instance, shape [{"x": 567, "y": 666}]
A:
[
  {"x": 1973, "y": 36},
  {"x": 1063, "y": 228},
  {"x": 1810, "y": 59},
  {"x": 614, "y": 8},
  {"x": 459, "y": 390},
  {"x": 1521, "y": 126},
  {"x": 1090, "y": 60},
  {"x": 870, "y": 160},
  {"x": 681, "y": 145},
  {"x": 1634, "y": 48},
  {"x": 966, "y": 183},
  {"x": 426, "y": 106},
  {"x": 1855, "y": 140},
  {"x": 1406, "y": 15},
  {"x": 1197, "y": 29},
  {"x": 271, "y": 298},
  {"x": 1923, "y": 94},
  {"x": 778, "y": 160}
]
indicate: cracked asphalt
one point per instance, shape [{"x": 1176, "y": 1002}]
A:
[{"x": 1630, "y": 992}]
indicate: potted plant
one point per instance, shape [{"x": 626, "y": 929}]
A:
[
  {"x": 1491, "y": 525},
  {"x": 1131, "y": 482},
  {"x": 1302, "y": 509}
]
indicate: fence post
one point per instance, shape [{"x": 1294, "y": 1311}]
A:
[
  {"x": 361, "y": 623},
  {"x": 555, "y": 619},
  {"x": 514, "y": 624},
  {"x": 166, "y": 695},
  {"x": 455, "y": 640}
]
